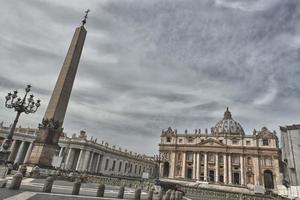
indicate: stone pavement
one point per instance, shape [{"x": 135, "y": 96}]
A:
[{"x": 32, "y": 189}]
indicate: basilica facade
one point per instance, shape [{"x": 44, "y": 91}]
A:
[{"x": 223, "y": 156}]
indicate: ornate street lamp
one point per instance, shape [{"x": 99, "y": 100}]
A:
[{"x": 20, "y": 105}]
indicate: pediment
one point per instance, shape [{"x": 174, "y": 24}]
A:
[{"x": 210, "y": 142}]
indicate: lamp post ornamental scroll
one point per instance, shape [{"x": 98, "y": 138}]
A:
[{"x": 20, "y": 105}]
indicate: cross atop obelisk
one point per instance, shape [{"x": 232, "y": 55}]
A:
[
  {"x": 51, "y": 127},
  {"x": 85, "y": 17}
]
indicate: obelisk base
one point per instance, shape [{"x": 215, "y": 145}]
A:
[
  {"x": 42, "y": 155},
  {"x": 46, "y": 144}
]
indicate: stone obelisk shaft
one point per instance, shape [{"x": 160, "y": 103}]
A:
[
  {"x": 50, "y": 129},
  {"x": 61, "y": 94}
]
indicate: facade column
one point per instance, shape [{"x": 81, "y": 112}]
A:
[
  {"x": 61, "y": 152},
  {"x": 205, "y": 166},
  {"x": 194, "y": 165},
  {"x": 91, "y": 162},
  {"x": 20, "y": 153},
  {"x": 242, "y": 169},
  {"x": 217, "y": 168},
  {"x": 172, "y": 165},
  {"x": 229, "y": 170},
  {"x": 183, "y": 164},
  {"x": 79, "y": 160},
  {"x": 12, "y": 150},
  {"x": 225, "y": 169},
  {"x": 198, "y": 166},
  {"x": 28, "y": 152}
]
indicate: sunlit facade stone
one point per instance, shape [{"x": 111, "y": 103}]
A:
[{"x": 224, "y": 156}]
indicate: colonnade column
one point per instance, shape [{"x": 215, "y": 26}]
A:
[
  {"x": 12, "y": 150},
  {"x": 225, "y": 169},
  {"x": 61, "y": 151},
  {"x": 91, "y": 162},
  {"x": 183, "y": 164},
  {"x": 68, "y": 159},
  {"x": 205, "y": 166},
  {"x": 20, "y": 153},
  {"x": 194, "y": 165},
  {"x": 79, "y": 160},
  {"x": 86, "y": 160},
  {"x": 229, "y": 170},
  {"x": 242, "y": 169},
  {"x": 28, "y": 152},
  {"x": 198, "y": 166},
  {"x": 97, "y": 164},
  {"x": 217, "y": 168}
]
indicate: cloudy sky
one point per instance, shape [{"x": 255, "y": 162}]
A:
[{"x": 150, "y": 64}]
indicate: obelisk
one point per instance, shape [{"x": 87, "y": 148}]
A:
[{"x": 50, "y": 129}]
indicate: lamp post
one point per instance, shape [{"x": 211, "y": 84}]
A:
[{"x": 20, "y": 105}]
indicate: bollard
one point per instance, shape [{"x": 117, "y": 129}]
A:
[
  {"x": 168, "y": 195},
  {"x": 160, "y": 194},
  {"x": 48, "y": 184},
  {"x": 100, "y": 190},
  {"x": 16, "y": 181},
  {"x": 121, "y": 192},
  {"x": 137, "y": 194},
  {"x": 172, "y": 197},
  {"x": 178, "y": 195},
  {"x": 150, "y": 196},
  {"x": 76, "y": 187}
]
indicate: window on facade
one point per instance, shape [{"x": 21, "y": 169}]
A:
[
  {"x": 236, "y": 160},
  {"x": 202, "y": 158},
  {"x": 180, "y": 140},
  {"x": 221, "y": 159},
  {"x": 113, "y": 165},
  {"x": 221, "y": 141},
  {"x": 140, "y": 169},
  {"x": 143, "y": 169},
  {"x": 120, "y": 166},
  {"x": 125, "y": 168},
  {"x": 248, "y": 143},
  {"x": 106, "y": 164},
  {"x": 189, "y": 157},
  {"x": 265, "y": 142},
  {"x": 168, "y": 139},
  {"x": 268, "y": 162},
  {"x": 135, "y": 169},
  {"x": 190, "y": 140},
  {"x": 211, "y": 158},
  {"x": 234, "y": 141},
  {"x": 202, "y": 140}
]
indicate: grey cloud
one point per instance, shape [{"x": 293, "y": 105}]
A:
[{"x": 147, "y": 65}]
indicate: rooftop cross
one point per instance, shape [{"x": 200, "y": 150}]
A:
[{"x": 85, "y": 17}]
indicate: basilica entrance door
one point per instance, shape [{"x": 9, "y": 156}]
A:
[
  {"x": 236, "y": 178},
  {"x": 211, "y": 176},
  {"x": 189, "y": 173},
  {"x": 166, "y": 169}
]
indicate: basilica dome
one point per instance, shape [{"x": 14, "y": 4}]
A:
[{"x": 228, "y": 126}]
